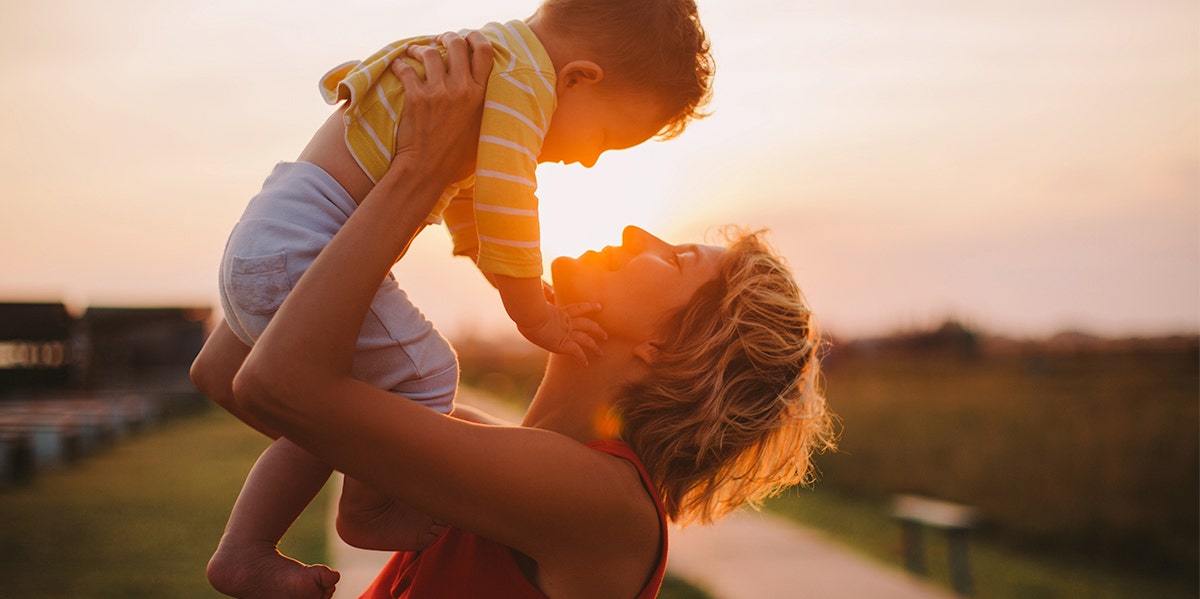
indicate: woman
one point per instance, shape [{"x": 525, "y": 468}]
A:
[{"x": 702, "y": 397}]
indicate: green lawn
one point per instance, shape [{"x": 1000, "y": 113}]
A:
[
  {"x": 998, "y": 572},
  {"x": 140, "y": 518}
]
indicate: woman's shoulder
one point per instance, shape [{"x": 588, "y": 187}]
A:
[
  {"x": 644, "y": 497},
  {"x": 619, "y": 449}
]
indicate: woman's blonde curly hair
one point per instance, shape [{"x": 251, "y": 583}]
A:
[{"x": 732, "y": 411}]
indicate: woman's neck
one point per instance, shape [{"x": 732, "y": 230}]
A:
[{"x": 574, "y": 401}]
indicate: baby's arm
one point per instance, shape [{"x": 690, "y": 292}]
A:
[{"x": 562, "y": 330}]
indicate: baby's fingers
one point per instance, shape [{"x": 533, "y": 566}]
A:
[
  {"x": 585, "y": 341},
  {"x": 574, "y": 350},
  {"x": 588, "y": 327},
  {"x": 585, "y": 332},
  {"x": 576, "y": 310}
]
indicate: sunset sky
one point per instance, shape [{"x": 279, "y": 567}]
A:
[{"x": 1026, "y": 166}]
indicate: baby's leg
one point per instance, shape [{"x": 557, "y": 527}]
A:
[
  {"x": 247, "y": 562},
  {"x": 368, "y": 519},
  {"x": 398, "y": 350}
]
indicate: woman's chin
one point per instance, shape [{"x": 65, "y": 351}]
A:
[{"x": 565, "y": 272}]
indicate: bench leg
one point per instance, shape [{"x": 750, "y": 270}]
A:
[
  {"x": 914, "y": 551},
  {"x": 960, "y": 570},
  {"x": 19, "y": 462}
]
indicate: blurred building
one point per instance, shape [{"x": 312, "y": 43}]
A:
[
  {"x": 37, "y": 346},
  {"x": 43, "y": 347},
  {"x": 137, "y": 347}
]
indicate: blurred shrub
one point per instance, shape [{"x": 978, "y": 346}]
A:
[
  {"x": 1075, "y": 443},
  {"x": 509, "y": 368}
]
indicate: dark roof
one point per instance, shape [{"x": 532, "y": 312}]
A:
[
  {"x": 34, "y": 322},
  {"x": 122, "y": 316}
]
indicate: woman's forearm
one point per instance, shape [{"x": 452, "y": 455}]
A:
[
  {"x": 312, "y": 337},
  {"x": 311, "y": 340}
]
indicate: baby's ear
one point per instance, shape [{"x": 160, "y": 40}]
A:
[{"x": 579, "y": 72}]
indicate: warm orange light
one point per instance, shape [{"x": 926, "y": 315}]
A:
[{"x": 608, "y": 424}]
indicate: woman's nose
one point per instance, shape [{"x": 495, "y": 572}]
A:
[
  {"x": 636, "y": 238},
  {"x": 629, "y": 236}
]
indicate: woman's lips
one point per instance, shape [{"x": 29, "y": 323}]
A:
[{"x": 605, "y": 258}]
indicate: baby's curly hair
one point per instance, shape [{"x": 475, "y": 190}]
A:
[
  {"x": 658, "y": 46},
  {"x": 732, "y": 411}
]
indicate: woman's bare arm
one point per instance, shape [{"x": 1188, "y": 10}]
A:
[
  {"x": 213, "y": 370},
  {"x": 534, "y": 490}
]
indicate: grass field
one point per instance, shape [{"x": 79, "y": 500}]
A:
[
  {"x": 1083, "y": 463},
  {"x": 998, "y": 571},
  {"x": 1096, "y": 454},
  {"x": 138, "y": 520},
  {"x": 1084, "y": 466},
  {"x": 141, "y": 518}
]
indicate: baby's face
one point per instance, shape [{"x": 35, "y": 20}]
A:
[{"x": 589, "y": 121}]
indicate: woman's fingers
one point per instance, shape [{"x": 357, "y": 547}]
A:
[
  {"x": 442, "y": 111},
  {"x": 435, "y": 67},
  {"x": 481, "y": 57},
  {"x": 405, "y": 73},
  {"x": 458, "y": 53}
]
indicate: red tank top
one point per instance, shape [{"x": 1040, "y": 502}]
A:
[{"x": 460, "y": 565}]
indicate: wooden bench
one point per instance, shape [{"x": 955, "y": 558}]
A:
[
  {"x": 37, "y": 434},
  {"x": 916, "y": 513},
  {"x": 16, "y": 458},
  {"x": 52, "y": 439},
  {"x": 94, "y": 423}
]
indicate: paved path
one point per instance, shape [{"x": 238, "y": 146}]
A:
[
  {"x": 752, "y": 555},
  {"x": 747, "y": 556}
]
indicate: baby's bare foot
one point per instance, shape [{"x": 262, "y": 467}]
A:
[{"x": 261, "y": 572}]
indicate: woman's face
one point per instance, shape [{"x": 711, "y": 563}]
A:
[{"x": 638, "y": 283}]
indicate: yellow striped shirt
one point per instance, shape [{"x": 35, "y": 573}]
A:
[{"x": 499, "y": 216}]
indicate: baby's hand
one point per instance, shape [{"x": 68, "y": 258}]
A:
[{"x": 567, "y": 331}]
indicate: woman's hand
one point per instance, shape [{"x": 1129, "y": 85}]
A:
[
  {"x": 309, "y": 344},
  {"x": 440, "y": 124}
]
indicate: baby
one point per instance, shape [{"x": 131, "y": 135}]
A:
[{"x": 574, "y": 80}]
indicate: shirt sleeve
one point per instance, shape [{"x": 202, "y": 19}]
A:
[
  {"x": 459, "y": 217},
  {"x": 515, "y": 117}
]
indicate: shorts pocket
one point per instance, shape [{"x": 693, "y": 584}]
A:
[{"x": 259, "y": 284}]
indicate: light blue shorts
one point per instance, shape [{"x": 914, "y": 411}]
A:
[{"x": 284, "y": 227}]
